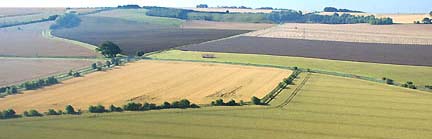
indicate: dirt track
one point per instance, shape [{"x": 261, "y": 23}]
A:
[
  {"x": 153, "y": 81},
  {"x": 362, "y": 52}
]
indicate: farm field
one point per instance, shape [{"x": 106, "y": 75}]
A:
[
  {"x": 394, "y": 34},
  {"x": 153, "y": 81},
  {"x": 399, "y": 73},
  {"x": 11, "y": 12},
  {"x": 134, "y": 36},
  {"x": 363, "y": 52},
  {"x": 138, "y": 15},
  {"x": 18, "y": 70},
  {"x": 28, "y": 41},
  {"x": 347, "y": 108}
]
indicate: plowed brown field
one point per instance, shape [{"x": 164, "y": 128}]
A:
[{"x": 152, "y": 81}]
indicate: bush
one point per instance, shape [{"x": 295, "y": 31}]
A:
[
  {"x": 140, "y": 53},
  {"x": 220, "y": 102},
  {"x": 132, "y": 106},
  {"x": 256, "y": 101},
  {"x": 76, "y": 74},
  {"x": 94, "y": 66},
  {"x": 97, "y": 109},
  {"x": 32, "y": 113},
  {"x": 165, "y": 105},
  {"x": 12, "y": 90},
  {"x": 108, "y": 63},
  {"x": 115, "y": 109},
  {"x": 53, "y": 112},
  {"x": 7, "y": 114},
  {"x": 70, "y": 110},
  {"x": 109, "y": 49}
]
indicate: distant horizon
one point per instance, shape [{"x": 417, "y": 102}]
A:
[{"x": 369, "y": 6}]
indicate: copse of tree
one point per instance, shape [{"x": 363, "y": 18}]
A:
[
  {"x": 132, "y": 106},
  {"x": 381, "y": 21},
  {"x": 12, "y": 90},
  {"x": 68, "y": 20},
  {"x": 333, "y": 9},
  {"x": 409, "y": 84},
  {"x": 32, "y": 113},
  {"x": 109, "y": 49}
]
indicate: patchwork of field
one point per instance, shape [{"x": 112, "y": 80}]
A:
[
  {"x": 399, "y": 73},
  {"x": 11, "y": 12},
  {"x": 394, "y": 34},
  {"x": 153, "y": 81},
  {"x": 347, "y": 108},
  {"x": 18, "y": 70},
  {"x": 134, "y": 36},
  {"x": 363, "y": 52},
  {"x": 28, "y": 41}
]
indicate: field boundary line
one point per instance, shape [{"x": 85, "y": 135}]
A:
[
  {"x": 48, "y": 34},
  {"x": 296, "y": 91}
]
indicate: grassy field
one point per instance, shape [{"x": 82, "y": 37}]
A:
[
  {"x": 138, "y": 15},
  {"x": 326, "y": 107},
  {"x": 398, "y": 73},
  {"x": 155, "y": 82}
]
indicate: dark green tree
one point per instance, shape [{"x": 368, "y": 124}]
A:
[
  {"x": 94, "y": 66},
  {"x": 52, "y": 112},
  {"x": 256, "y": 101},
  {"x": 165, "y": 105},
  {"x": 97, "y": 109},
  {"x": 426, "y": 20},
  {"x": 70, "y": 110},
  {"x": 10, "y": 113},
  {"x": 140, "y": 53},
  {"x": 109, "y": 49},
  {"x": 132, "y": 106},
  {"x": 32, "y": 113}
]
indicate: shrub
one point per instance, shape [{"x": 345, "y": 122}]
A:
[
  {"x": 140, "y": 53},
  {"x": 70, "y": 110},
  {"x": 76, "y": 74},
  {"x": 389, "y": 81},
  {"x": 220, "y": 102},
  {"x": 12, "y": 90},
  {"x": 132, "y": 106},
  {"x": 232, "y": 103},
  {"x": 115, "y": 109},
  {"x": 7, "y": 114},
  {"x": 108, "y": 63},
  {"x": 32, "y": 113},
  {"x": 256, "y": 101},
  {"x": 94, "y": 66},
  {"x": 165, "y": 105},
  {"x": 53, "y": 112},
  {"x": 97, "y": 109},
  {"x": 109, "y": 49}
]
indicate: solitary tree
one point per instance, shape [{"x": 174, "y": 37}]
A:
[{"x": 109, "y": 49}]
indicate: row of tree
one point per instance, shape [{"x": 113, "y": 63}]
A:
[
  {"x": 31, "y": 85},
  {"x": 425, "y": 20},
  {"x": 283, "y": 16}
]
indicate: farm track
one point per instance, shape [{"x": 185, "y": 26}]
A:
[{"x": 296, "y": 91}]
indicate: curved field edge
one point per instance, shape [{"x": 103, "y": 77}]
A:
[
  {"x": 399, "y": 73},
  {"x": 48, "y": 35},
  {"x": 352, "y": 109}
]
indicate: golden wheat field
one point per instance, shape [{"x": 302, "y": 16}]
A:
[{"x": 152, "y": 81}]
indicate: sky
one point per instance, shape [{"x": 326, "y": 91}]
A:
[{"x": 373, "y": 6}]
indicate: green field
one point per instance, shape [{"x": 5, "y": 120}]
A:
[
  {"x": 399, "y": 73},
  {"x": 138, "y": 15},
  {"x": 325, "y": 107}
]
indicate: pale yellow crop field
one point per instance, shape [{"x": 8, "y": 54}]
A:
[{"x": 152, "y": 81}]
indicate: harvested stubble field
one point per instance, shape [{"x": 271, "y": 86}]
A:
[
  {"x": 153, "y": 81},
  {"x": 399, "y": 73},
  {"x": 138, "y": 15},
  {"x": 135, "y": 36},
  {"x": 18, "y": 70},
  {"x": 28, "y": 41},
  {"x": 418, "y": 55},
  {"x": 347, "y": 108},
  {"x": 394, "y": 34},
  {"x": 11, "y": 12}
]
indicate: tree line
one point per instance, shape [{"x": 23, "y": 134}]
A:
[
  {"x": 283, "y": 16},
  {"x": 333, "y": 9}
]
